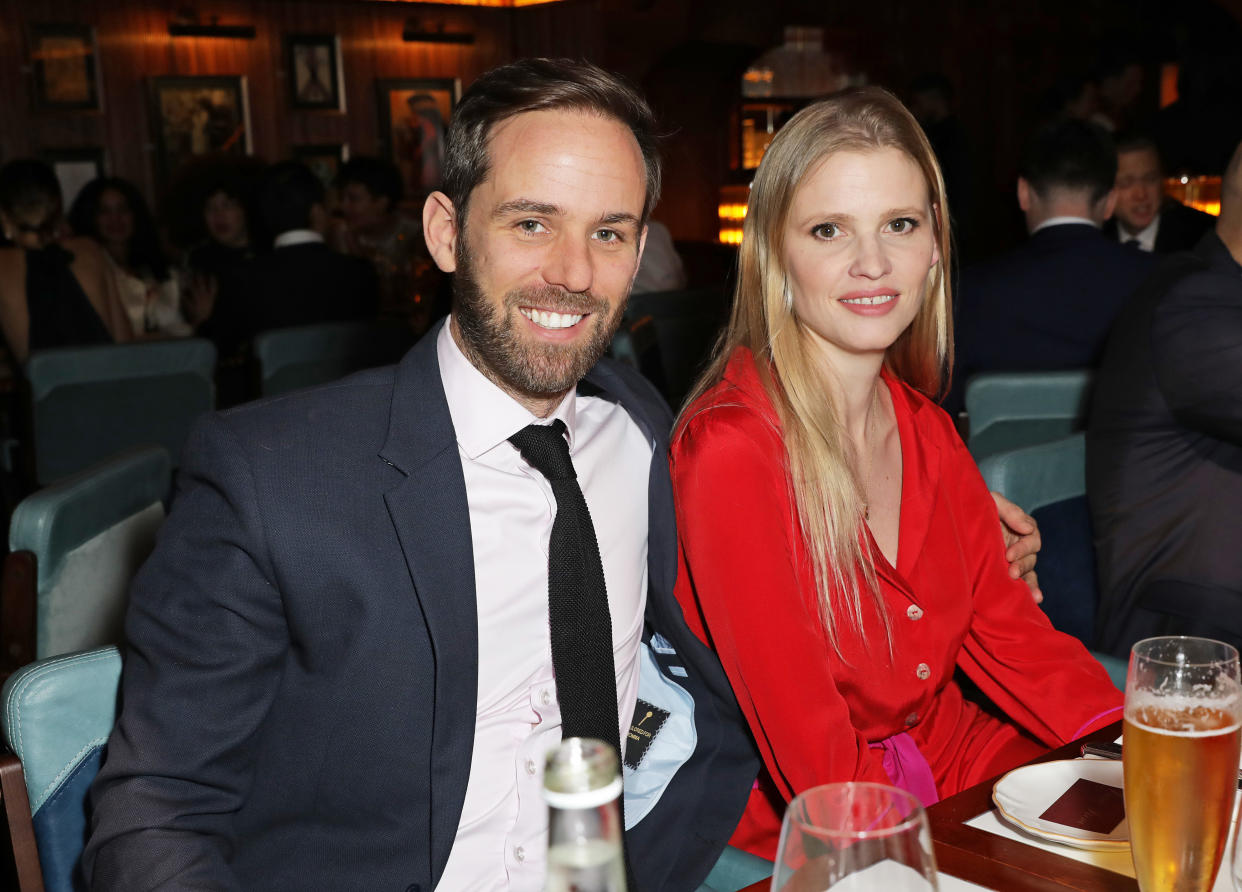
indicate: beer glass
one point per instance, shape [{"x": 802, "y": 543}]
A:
[
  {"x": 854, "y": 836},
  {"x": 1182, "y": 718}
]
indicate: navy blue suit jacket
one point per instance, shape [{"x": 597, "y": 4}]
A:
[
  {"x": 1046, "y": 305},
  {"x": 298, "y": 698}
]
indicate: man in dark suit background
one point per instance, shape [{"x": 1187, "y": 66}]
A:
[
  {"x": 1050, "y": 303},
  {"x": 302, "y": 282},
  {"x": 339, "y": 672},
  {"x": 1144, "y": 216},
  {"x": 1164, "y": 447}
]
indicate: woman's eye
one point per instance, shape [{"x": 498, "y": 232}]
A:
[
  {"x": 825, "y": 231},
  {"x": 904, "y": 224}
]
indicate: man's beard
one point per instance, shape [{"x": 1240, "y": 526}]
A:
[{"x": 491, "y": 340}]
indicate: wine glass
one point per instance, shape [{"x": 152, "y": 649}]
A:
[
  {"x": 1183, "y": 711},
  {"x": 851, "y": 836}
]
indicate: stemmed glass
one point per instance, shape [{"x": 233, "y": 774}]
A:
[{"x": 851, "y": 836}]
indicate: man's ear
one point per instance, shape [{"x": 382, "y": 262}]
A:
[
  {"x": 440, "y": 230},
  {"x": 1024, "y": 194},
  {"x": 1105, "y": 206}
]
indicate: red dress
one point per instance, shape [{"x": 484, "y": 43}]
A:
[{"x": 746, "y": 586}]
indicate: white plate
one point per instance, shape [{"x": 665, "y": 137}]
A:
[{"x": 1024, "y": 794}]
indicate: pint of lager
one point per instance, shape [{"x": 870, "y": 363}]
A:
[{"x": 1182, "y": 718}]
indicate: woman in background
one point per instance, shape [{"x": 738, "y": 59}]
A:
[
  {"x": 55, "y": 291},
  {"x": 838, "y": 546},
  {"x": 112, "y": 211}
]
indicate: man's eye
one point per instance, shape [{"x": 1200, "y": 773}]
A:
[
  {"x": 608, "y": 235},
  {"x": 826, "y": 231},
  {"x": 531, "y": 226}
]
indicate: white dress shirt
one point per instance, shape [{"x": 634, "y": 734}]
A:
[
  {"x": 291, "y": 237},
  {"x": 1060, "y": 221},
  {"x": 1146, "y": 236},
  {"x": 501, "y": 841}
]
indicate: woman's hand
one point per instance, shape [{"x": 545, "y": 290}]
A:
[
  {"x": 1022, "y": 542},
  {"x": 199, "y": 299}
]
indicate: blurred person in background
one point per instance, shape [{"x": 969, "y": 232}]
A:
[
  {"x": 217, "y": 268},
  {"x": 301, "y": 281},
  {"x": 112, "y": 211},
  {"x": 375, "y": 229},
  {"x": 1145, "y": 217},
  {"x": 55, "y": 290}
]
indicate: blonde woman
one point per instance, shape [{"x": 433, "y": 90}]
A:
[{"x": 838, "y": 546}]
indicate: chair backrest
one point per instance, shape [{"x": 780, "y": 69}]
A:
[
  {"x": 57, "y": 716},
  {"x": 87, "y": 403},
  {"x": 1009, "y": 410},
  {"x": 1049, "y": 480},
  {"x": 290, "y": 358},
  {"x": 89, "y": 534}
]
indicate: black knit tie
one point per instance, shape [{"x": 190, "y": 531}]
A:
[{"x": 577, "y": 596}]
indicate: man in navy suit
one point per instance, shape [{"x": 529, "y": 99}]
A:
[
  {"x": 1146, "y": 218},
  {"x": 1050, "y": 303},
  {"x": 339, "y": 673}
]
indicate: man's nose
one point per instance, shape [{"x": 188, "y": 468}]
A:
[{"x": 569, "y": 265}]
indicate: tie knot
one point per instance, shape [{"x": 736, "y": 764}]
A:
[{"x": 545, "y": 448}]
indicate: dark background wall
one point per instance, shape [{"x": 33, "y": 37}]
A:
[{"x": 688, "y": 55}]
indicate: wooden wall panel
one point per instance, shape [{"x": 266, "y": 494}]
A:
[{"x": 134, "y": 46}]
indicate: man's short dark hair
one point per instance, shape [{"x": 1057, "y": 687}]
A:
[
  {"x": 28, "y": 186},
  {"x": 1070, "y": 155},
  {"x": 381, "y": 178},
  {"x": 1138, "y": 142},
  {"x": 287, "y": 193},
  {"x": 540, "y": 85}
]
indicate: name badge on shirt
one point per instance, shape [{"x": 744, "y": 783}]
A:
[{"x": 648, "y": 720}]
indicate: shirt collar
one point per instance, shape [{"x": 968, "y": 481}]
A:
[
  {"x": 297, "y": 237},
  {"x": 1146, "y": 235},
  {"x": 1059, "y": 221},
  {"x": 484, "y": 416}
]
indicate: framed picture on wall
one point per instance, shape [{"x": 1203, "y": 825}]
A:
[
  {"x": 65, "y": 67},
  {"x": 74, "y": 168},
  {"x": 316, "y": 78},
  {"x": 192, "y": 116},
  {"x": 323, "y": 160},
  {"x": 413, "y": 114}
]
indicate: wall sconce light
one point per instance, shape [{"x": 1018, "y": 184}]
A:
[
  {"x": 418, "y": 32},
  {"x": 186, "y": 24}
]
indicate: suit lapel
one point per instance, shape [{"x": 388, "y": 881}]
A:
[{"x": 432, "y": 521}]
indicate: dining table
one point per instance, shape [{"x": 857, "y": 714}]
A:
[{"x": 976, "y": 849}]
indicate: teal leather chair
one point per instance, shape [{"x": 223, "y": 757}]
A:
[
  {"x": 74, "y": 547},
  {"x": 291, "y": 358},
  {"x": 736, "y": 870},
  {"x": 1049, "y": 481},
  {"x": 88, "y": 403},
  {"x": 57, "y": 716},
  {"x": 1009, "y": 410}
]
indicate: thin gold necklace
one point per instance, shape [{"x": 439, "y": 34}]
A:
[{"x": 875, "y": 396}]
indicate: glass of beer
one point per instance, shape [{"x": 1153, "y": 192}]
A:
[
  {"x": 854, "y": 836},
  {"x": 1182, "y": 718}
]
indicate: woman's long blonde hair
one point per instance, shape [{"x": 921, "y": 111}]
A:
[{"x": 824, "y": 483}]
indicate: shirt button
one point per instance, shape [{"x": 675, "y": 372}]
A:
[
  {"x": 912, "y": 718},
  {"x": 519, "y": 853},
  {"x": 914, "y": 611},
  {"x": 545, "y": 697},
  {"x": 923, "y": 672},
  {"x": 530, "y": 767}
]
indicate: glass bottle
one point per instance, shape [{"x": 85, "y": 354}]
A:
[{"x": 582, "y": 786}]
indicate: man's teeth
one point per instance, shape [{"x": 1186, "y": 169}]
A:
[
  {"x": 544, "y": 319},
  {"x": 870, "y": 301}
]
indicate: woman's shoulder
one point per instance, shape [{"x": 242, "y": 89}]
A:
[{"x": 737, "y": 401}]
